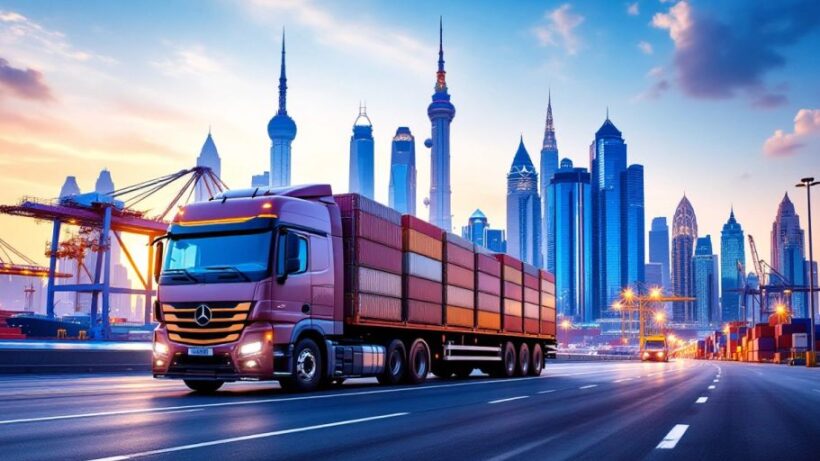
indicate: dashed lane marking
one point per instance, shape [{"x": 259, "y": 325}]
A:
[
  {"x": 588, "y": 386},
  {"x": 548, "y": 391},
  {"x": 673, "y": 437},
  {"x": 701, "y": 399},
  {"x": 622, "y": 380},
  {"x": 712, "y": 386},
  {"x": 510, "y": 399}
]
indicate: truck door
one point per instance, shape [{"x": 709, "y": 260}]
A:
[
  {"x": 291, "y": 296},
  {"x": 322, "y": 283}
]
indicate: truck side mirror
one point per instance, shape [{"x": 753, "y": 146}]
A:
[{"x": 158, "y": 260}]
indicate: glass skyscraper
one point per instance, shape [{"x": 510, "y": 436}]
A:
[
  {"x": 523, "y": 209},
  {"x": 402, "y": 194},
  {"x": 496, "y": 240},
  {"x": 659, "y": 248},
  {"x": 570, "y": 242},
  {"x": 633, "y": 229},
  {"x": 732, "y": 252},
  {"x": 209, "y": 157},
  {"x": 361, "y": 156},
  {"x": 788, "y": 255},
  {"x": 549, "y": 163},
  {"x": 705, "y": 283},
  {"x": 684, "y": 234},
  {"x": 478, "y": 231}
]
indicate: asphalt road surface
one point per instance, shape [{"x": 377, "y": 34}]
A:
[{"x": 684, "y": 410}]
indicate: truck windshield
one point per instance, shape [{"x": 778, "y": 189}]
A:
[
  {"x": 217, "y": 258},
  {"x": 654, "y": 345}
]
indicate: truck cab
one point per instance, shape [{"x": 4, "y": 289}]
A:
[{"x": 655, "y": 349}]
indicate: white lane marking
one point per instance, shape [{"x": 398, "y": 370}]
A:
[
  {"x": 588, "y": 386},
  {"x": 491, "y": 402},
  {"x": 711, "y": 387},
  {"x": 673, "y": 437},
  {"x": 191, "y": 410},
  {"x": 622, "y": 380},
  {"x": 548, "y": 391},
  {"x": 247, "y": 437},
  {"x": 517, "y": 452},
  {"x": 701, "y": 399},
  {"x": 715, "y": 380}
]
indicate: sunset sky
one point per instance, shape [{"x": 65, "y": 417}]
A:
[{"x": 719, "y": 100}]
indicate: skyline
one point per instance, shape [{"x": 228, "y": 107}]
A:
[{"x": 191, "y": 89}]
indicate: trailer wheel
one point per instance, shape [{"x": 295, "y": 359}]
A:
[
  {"x": 203, "y": 387},
  {"x": 307, "y": 368},
  {"x": 523, "y": 367},
  {"x": 508, "y": 361},
  {"x": 418, "y": 362},
  {"x": 395, "y": 364},
  {"x": 537, "y": 363}
]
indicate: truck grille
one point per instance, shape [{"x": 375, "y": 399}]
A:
[{"x": 226, "y": 322}]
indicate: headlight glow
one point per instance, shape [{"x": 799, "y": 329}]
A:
[
  {"x": 251, "y": 348},
  {"x": 160, "y": 348}
]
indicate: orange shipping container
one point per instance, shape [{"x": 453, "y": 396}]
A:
[
  {"x": 460, "y": 316},
  {"x": 489, "y": 320},
  {"x": 416, "y": 242}
]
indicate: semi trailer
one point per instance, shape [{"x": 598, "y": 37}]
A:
[{"x": 300, "y": 286}]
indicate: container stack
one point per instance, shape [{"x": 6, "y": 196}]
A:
[
  {"x": 532, "y": 299},
  {"x": 459, "y": 282},
  {"x": 488, "y": 290},
  {"x": 512, "y": 293},
  {"x": 423, "y": 275},
  {"x": 761, "y": 343},
  {"x": 372, "y": 242},
  {"x": 547, "y": 282}
]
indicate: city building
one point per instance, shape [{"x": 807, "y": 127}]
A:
[
  {"x": 705, "y": 283},
  {"x": 659, "y": 249},
  {"x": 70, "y": 187},
  {"x": 104, "y": 183},
  {"x": 684, "y": 234},
  {"x": 788, "y": 254},
  {"x": 479, "y": 232},
  {"x": 634, "y": 234},
  {"x": 732, "y": 263},
  {"x": 569, "y": 239},
  {"x": 441, "y": 112},
  {"x": 653, "y": 274},
  {"x": 208, "y": 157},
  {"x": 362, "y": 156},
  {"x": 261, "y": 180},
  {"x": 402, "y": 193},
  {"x": 282, "y": 132},
  {"x": 549, "y": 163},
  {"x": 523, "y": 209},
  {"x": 496, "y": 240}
]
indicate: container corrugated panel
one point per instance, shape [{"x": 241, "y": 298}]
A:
[
  {"x": 488, "y": 283},
  {"x": 416, "y": 242},
  {"x": 460, "y": 297},
  {"x": 530, "y": 270},
  {"x": 377, "y": 282},
  {"x": 488, "y": 320},
  {"x": 547, "y": 300},
  {"x": 513, "y": 275},
  {"x": 513, "y": 291},
  {"x": 349, "y": 203},
  {"x": 488, "y": 264},
  {"x": 487, "y": 302},
  {"x": 547, "y": 327},
  {"x": 513, "y": 324},
  {"x": 548, "y": 314},
  {"x": 362, "y": 252},
  {"x": 375, "y": 307},
  {"x": 422, "y": 266},
  {"x": 531, "y": 296},
  {"x": 531, "y": 281},
  {"x": 513, "y": 307},
  {"x": 412, "y": 222},
  {"x": 531, "y": 311},
  {"x": 459, "y": 241},
  {"x": 548, "y": 276},
  {"x": 422, "y": 289},
  {"x": 372, "y": 228},
  {"x": 460, "y": 316},
  {"x": 463, "y": 257},
  {"x": 531, "y": 326},
  {"x": 459, "y": 276},
  {"x": 508, "y": 260},
  {"x": 423, "y": 312}
]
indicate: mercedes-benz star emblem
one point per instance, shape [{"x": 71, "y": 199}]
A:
[{"x": 202, "y": 316}]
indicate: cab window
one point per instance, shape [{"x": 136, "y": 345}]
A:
[{"x": 302, "y": 244}]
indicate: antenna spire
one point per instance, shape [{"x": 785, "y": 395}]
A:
[{"x": 283, "y": 81}]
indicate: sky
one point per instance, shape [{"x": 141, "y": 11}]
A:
[{"x": 718, "y": 100}]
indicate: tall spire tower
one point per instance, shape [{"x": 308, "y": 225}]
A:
[
  {"x": 282, "y": 131},
  {"x": 441, "y": 112},
  {"x": 549, "y": 164}
]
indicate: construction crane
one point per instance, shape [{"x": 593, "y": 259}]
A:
[
  {"x": 26, "y": 267},
  {"x": 646, "y": 306}
]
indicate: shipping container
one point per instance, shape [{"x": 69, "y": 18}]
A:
[
  {"x": 349, "y": 204},
  {"x": 487, "y": 283},
  {"x": 366, "y": 306},
  {"x": 423, "y": 312},
  {"x": 460, "y": 297},
  {"x": 459, "y": 276},
  {"x": 362, "y": 252},
  {"x": 417, "y": 242},
  {"x": 460, "y": 316},
  {"x": 488, "y": 303},
  {"x": 532, "y": 296},
  {"x": 366, "y": 280},
  {"x": 422, "y": 289},
  {"x": 486, "y": 261},
  {"x": 420, "y": 225},
  {"x": 488, "y": 320},
  {"x": 422, "y": 266},
  {"x": 373, "y": 228}
]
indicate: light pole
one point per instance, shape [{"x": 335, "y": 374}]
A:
[{"x": 811, "y": 356}]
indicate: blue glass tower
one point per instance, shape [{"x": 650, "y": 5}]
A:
[
  {"x": 570, "y": 241},
  {"x": 659, "y": 248},
  {"x": 476, "y": 228},
  {"x": 282, "y": 132},
  {"x": 684, "y": 234},
  {"x": 549, "y": 163},
  {"x": 403, "y": 172},
  {"x": 732, "y": 252},
  {"x": 788, "y": 254},
  {"x": 705, "y": 283},
  {"x": 441, "y": 112},
  {"x": 361, "y": 155},
  {"x": 632, "y": 238},
  {"x": 208, "y": 157},
  {"x": 523, "y": 209}
]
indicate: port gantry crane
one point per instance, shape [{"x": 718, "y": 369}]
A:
[{"x": 647, "y": 307}]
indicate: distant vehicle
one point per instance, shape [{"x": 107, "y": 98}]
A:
[
  {"x": 298, "y": 285},
  {"x": 655, "y": 349}
]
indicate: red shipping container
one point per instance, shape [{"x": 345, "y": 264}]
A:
[
  {"x": 461, "y": 256},
  {"x": 763, "y": 331},
  {"x": 366, "y": 280},
  {"x": 488, "y": 284},
  {"x": 459, "y": 276},
  {"x": 488, "y": 264},
  {"x": 531, "y": 326},
  {"x": 459, "y": 241},
  {"x": 530, "y": 270},
  {"x": 350, "y": 203},
  {"x": 460, "y": 316},
  {"x": 509, "y": 261},
  {"x": 548, "y": 313},
  {"x": 513, "y": 324},
  {"x": 424, "y": 312},
  {"x": 511, "y": 274},
  {"x": 372, "y": 228},
  {"x": 417, "y": 242},
  {"x": 422, "y": 289},
  {"x": 531, "y": 282},
  {"x": 531, "y": 311},
  {"x": 412, "y": 222},
  {"x": 459, "y": 297},
  {"x": 513, "y": 291},
  {"x": 513, "y": 307},
  {"x": 373, "y": 255},
  {"x": 375, "y": 307},
  {"x": 488, "y": 320},
  {"x": 548, "y": 276},
  {"x": 531, "y": 296},
  {"x": 487, "y": 302},
  {"x": 547, "y": 327}
]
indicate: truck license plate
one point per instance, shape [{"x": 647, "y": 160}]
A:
[{"x": 201, "y": 351}]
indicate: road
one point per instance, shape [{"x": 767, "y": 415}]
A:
[{"x": 596, "y": 410}]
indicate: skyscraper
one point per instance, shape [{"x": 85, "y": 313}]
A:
[
  {"x": 549, "y": 163},
  {"x": 788, "y": 254},
  {"x": 653, "y": 274},
  {"x": 209, "y": 157},
  {"x": 523, "y": 209},
  {"x": 282, "y": 132},
  {"x": 476, "y": 227},
  {"x": 496, "y": 240},
  {"x": 732, "y": 252},
  {"x": 659, "y": 248},
  {"x": 403, "y": 172},
  {"x": 361, "y": 155},
  {"x": 441, "y": 112},
  {"x": 570, "y": 241},
  {"x": 70, "y": 187},
  {"x": 705, "y": 283},
  {"x": 633, "y": 236},
  {"x": 104, "y": 184},
  {"x": 684, "y": 234}
]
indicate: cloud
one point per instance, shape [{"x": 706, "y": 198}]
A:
[
  {"x": 632, "y": 9},
  {"x": 26, "y": 84},
  {"x": 16, "y": 28},
  {"x": 645, "y": 47},
  {"x": 806, "y": 126},
  {"x": 660, "y": 84},
  {"x": 190, "y": 60},
  {"x": 716, "y": 59},
  {"x": 560, "y": 29}
]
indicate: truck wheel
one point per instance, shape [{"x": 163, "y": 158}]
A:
[
  {"x": 395, "y": 364},
  {"x": 523, "y": 368},
  {"x": 307, "y": 367},
  {"x": 418, "y": 362},
  {"x": 537, "y": 363},
  {"x": 203, "y": 387},
  {"x": 508, "y": 363}
]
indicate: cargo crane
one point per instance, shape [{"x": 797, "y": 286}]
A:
[
  {"x": 106, "y": 214},
  {"x": 27, "y": 267},
  {"x": 771, "y": 282},
  {"x": 645, "y": 306}
]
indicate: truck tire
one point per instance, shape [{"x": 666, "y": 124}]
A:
[
  {"x": 203, "y": 387},
  {"x": 395, "y": 363},
  {"x": 537, "y": 363},
  {"x": 307, "y": 368},
  {"x": 418, "y": 362},
  {"x": 523, "y": 362},
  {"x": 506, "y": 368}
]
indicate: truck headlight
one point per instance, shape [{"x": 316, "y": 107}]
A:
[
  {"x": 160, "y": 348},
  {"x": 250, "y": 348}
]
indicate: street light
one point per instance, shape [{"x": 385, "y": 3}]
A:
[
  {"x": 811, "y": 357},
  {"x": 565, "y": 326}
]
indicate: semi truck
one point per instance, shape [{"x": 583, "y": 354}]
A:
[
  {"x": 655, "y": 348},
  {"x": 306, "y": 288}
]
